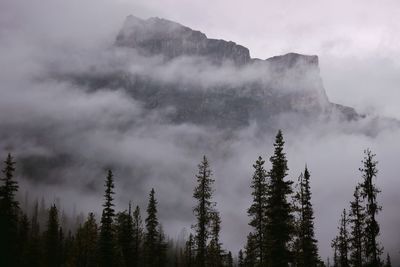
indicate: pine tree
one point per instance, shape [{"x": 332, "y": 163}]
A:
[
  {"x": 229, "y": 260},
  {"x": 335, "y": 246},
  {"x": 240, "y": 259},
  {"x": 85, "y": 253},
  {"x": 152, "y": 235},
  {"x": 250, "y": 259},
  {"x": 280, "y": 225},
  {"x": 52, "y": 239},
  {"x": 137, "y": 254},
  {"x": 308, "y": 250},
  {"x": 203, "y": 193},
  {"x": 9, "y": 209},
  {"x": 257, "y": 210},
  {"x": 125, "y": 237},
  {"x": 214, "y": 251},
  {"x": 357, "y": 221},
  {"x": 369, "y": 193},
  {"x": 106, "y": 244},
  {"x": 343, "y": 241},
  {"x": 189, "y": 251}
]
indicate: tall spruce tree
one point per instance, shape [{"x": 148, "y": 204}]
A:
[
  {"x": 343, "y": 241},
  {"x": 258, "y": 208},
  {"x": 369, "y": 193},
  {"x": 308, "y": 249},
  {"x": 137, "y": 238},
  {"x": 280, "y": 225},
  {"x": 152, "y": 235},
  {"x": 52, "y": 239},
  {"x": 203, "y": 194},
  {"x": 9, "y": 210},
  {"x": 106, "y": 244},
  {"x": 357, "y": 225}
]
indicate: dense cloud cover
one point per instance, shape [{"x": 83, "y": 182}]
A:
[{"x": 75, "y": 133}]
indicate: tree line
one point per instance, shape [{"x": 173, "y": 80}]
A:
[
  {"x": 357, "y": 241},
  {"x": 281, "y": 218}
]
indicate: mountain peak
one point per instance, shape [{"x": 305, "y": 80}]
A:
[
  {"x": 171, "y": 39},
  {"x": 292, "y": 59},
  {"x": 289, "y": 83}
]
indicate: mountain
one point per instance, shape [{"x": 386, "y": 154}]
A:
[
  {"x": 214, "y": 82},
  {"x": 161, "y": 36}
]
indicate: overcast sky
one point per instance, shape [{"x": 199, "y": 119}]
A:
[{"x": 358, "y": 48}]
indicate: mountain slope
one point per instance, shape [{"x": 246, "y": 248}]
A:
[{"x": 213, "y": 82}]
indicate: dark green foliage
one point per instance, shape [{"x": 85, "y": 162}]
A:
[
  {"x": 214, "y": 250},
  {"x": 8, "y": 189},
  {"x": 357, "y": 224},
  {"x": 229, "y": 260},
  {"x": 125, "y": 237},
  {"x": 85, "y": 252},
  {"x": 203, "y": 193},
  {"x": 9, "y": 210},
  {"x": 369, "y": 193},
  {"x": 152, "y": 235},
  {"x": 335, "y": 246},
  {"x": 258, "y": 209},
  {"x": 306, "y": 245},
  {"x": 280, "y": 225},
  {"x": 53, "y": 239},
  {"x": 106, "y": 244},
  {"x": 250, "y": 259},
  {"x": 275, "y": 240}
]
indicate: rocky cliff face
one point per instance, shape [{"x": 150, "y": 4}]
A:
[
  {"x": 159, "y": 36},
  {"x": 229, "y": 89}
]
